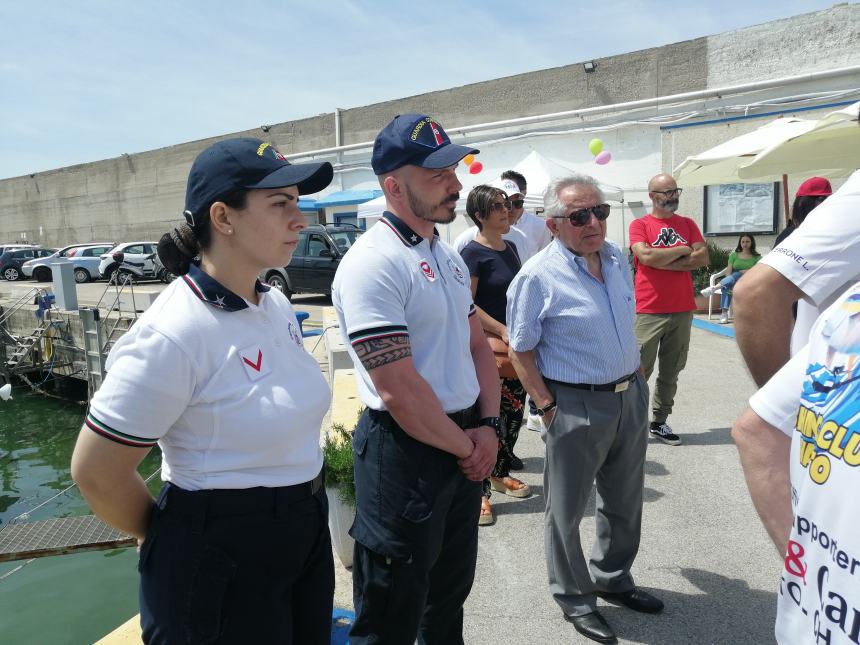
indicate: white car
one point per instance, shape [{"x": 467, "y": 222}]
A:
[
  {"x": 132, "y": 252},
  {"x": 85, "y": 259}
]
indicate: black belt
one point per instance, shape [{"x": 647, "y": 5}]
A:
[
  {"x": 616, "y": 386},
  {"x": 238, "y": 501},
  {"x": 467, "y": 418}
]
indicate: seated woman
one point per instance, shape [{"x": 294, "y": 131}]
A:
[
  {"x": 741, "y": 260},
  {"x": 493, "y": 263}
]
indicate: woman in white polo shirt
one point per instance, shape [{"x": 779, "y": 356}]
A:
[{"x": 236, "y": 547}]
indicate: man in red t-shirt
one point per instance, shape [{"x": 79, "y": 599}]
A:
[{"x": 666, "y": 247}]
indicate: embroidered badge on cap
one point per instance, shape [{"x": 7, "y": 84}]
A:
[
  {"x": 458, "y": 273},
  {"x": 255, "y": 363},
  {"x": 427, "y": 270}
]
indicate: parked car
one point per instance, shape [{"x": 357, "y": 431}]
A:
[
  {"x": 131, "y": 252},
  {"x": 11, "y": 261},
  {"x": 315, "y": 260},
  {"x": 13, "y": 247},
  {"x": 85, "y": 260}
]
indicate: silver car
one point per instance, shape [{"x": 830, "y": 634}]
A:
[{"x": 84, "y": 258}]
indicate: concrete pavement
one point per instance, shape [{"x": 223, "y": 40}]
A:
[{"x": 703, "y": 549}]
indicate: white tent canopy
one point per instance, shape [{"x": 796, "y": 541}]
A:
[{"x": 538, "y": 170}]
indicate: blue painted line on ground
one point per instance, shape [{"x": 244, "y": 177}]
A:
[
  {"x": 714, "y": 328},
  {"x": 341, "y": 621}
]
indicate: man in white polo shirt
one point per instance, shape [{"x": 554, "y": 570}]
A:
[
  {"x": 429, "y": 381},
  {"x": 812, "y": 267}
]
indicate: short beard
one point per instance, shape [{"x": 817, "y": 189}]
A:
[
  {"x": 422, "y": 210},
  {"x": 671, "y": 205}
]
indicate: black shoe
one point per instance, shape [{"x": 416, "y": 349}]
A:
[
  {"x": 593, "y": 626},
  {"x": 516, "y": 463},
  {"x": 635, "y": 599},
  {"x": 664, "y": 433}
]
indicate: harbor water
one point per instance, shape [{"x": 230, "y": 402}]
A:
[{"x": 68, "y": 599}]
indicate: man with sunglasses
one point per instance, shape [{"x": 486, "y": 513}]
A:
[
  {"x": 666, "y": 247},
  {"x": 570, "y": 320}
]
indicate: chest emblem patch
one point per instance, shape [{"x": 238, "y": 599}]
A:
[
  {"x": 294, "y": 334},
  {"x": 456, "y": 271},
  {"x": 255, "y": 364},
  {"x": 427, "y": 270}
]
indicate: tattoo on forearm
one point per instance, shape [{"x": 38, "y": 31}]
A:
[{"x": 377, "y": 352}]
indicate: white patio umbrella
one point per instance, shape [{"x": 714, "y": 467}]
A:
[
  {"x": 826, "y": 147},
  {"x": 831, "y": 148}
]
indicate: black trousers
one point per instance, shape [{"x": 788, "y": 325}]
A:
[
  {"x": 238, "y": 566},
  {"x": 416, "y": 532}
]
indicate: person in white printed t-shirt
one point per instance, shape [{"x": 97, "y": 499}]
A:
[{"x": 799, "y": 443}]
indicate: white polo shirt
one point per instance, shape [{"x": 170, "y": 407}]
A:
[
  {"x": 822, "y": 257},
  {"x": 395, "y": 282},
  {"x": 815, "y": 400},
  {"x": 225, "y": 388}
]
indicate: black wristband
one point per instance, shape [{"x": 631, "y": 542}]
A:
[{"x": 493, "y": 422}]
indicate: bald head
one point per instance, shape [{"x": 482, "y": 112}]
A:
[
  {"x": 664, "y": 194},
  {"x": 663, "y": 181}
]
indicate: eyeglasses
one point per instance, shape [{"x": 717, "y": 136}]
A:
[
  {"x": 583, "y": 215},
  {"x": 518, "y": 203},
  {"x": 675, "y": 192},
  {"x": 506, "y": 205}
]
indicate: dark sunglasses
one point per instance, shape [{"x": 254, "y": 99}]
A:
[
  {"x": 583, "y": 215},
  {"x": 675, "y": 192},
  {"x": 495, "y": 206},
  {"x": 518, "y": 203}
]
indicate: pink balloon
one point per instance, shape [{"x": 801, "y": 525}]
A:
[
  {"x": 475, "y": 167},
  {"x": 603, "y": 158}
]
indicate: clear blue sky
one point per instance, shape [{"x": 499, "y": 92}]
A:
[{"x": 92, "y": 79}]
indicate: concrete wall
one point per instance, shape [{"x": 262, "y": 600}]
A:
[{"x": 141, "y": 195}]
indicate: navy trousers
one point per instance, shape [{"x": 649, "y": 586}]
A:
[
  {"x": 416, "y": 532},
  {"x": 238, "y": 566}
]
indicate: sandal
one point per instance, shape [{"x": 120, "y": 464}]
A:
[
  {"x": 510, "y": 486},
  {"x": 486, "y": 518}
]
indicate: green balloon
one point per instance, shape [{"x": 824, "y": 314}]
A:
[{"x": 595, "y": 146}]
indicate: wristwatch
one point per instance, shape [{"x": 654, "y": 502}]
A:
[
  {"x": 534, "y": 409},
  {"x": 493, "y": 422}
]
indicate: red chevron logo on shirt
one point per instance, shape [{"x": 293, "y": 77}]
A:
[{"x": 259, "y": 362}]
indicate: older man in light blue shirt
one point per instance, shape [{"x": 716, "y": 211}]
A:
[{"x": 571, "y": 326}]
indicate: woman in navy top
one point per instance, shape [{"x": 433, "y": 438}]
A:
[{"x": 493, "y": 262}]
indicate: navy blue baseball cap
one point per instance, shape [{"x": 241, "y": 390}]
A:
[
  {"x": 417, "y": 140},
  {"x": 246, "y": 163}
]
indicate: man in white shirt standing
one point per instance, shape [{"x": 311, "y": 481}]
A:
[
  {"x": 528, "y": 231},
  {"x": 534, "y": 228}
]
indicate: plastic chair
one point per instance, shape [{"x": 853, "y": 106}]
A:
[
  {"x": 302, "y": 316},
  {"x": 712, "y": 282}
]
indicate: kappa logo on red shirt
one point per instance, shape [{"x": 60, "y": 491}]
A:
[
  {"x": 427, "y": 270},
  {"x": 668, "y": 237},
  {"x": 256, "y": 366}
]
